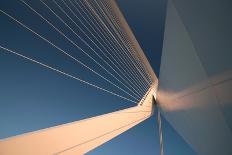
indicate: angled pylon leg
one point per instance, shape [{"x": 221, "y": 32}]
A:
[{"x": 81, "y": 136}]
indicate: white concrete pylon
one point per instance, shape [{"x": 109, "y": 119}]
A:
[{"x": 81, "y": 136}]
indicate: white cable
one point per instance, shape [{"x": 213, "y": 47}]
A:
[
  {"x": 106, "y": 29},
  {"x": 58, "y": 48},
  {"x": 83, "y": 41},
  {"x": 110, "y": 21},
  {"x": 69, "y": 40},
  {"x": 95, "y": 39},
  {"x": 91, "y": 41},
  {"x": 66, "y": 74},
  {"x": 116, "y": 23},
  {"x": 160, "y": 133},
  {"x": 84, "y": 11},
  {"x": 114, "y": 37},
  {"x": 102, "y": 22}
]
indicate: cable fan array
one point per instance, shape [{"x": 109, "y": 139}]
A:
[{"x": 99, "y": 35}]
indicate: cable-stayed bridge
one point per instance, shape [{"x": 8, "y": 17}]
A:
[
  {"x": 89, "y": 42},
  {"x": 103, "y": 37}
]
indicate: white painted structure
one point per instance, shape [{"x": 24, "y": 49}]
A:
[{"x": 81, "y": 136}]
